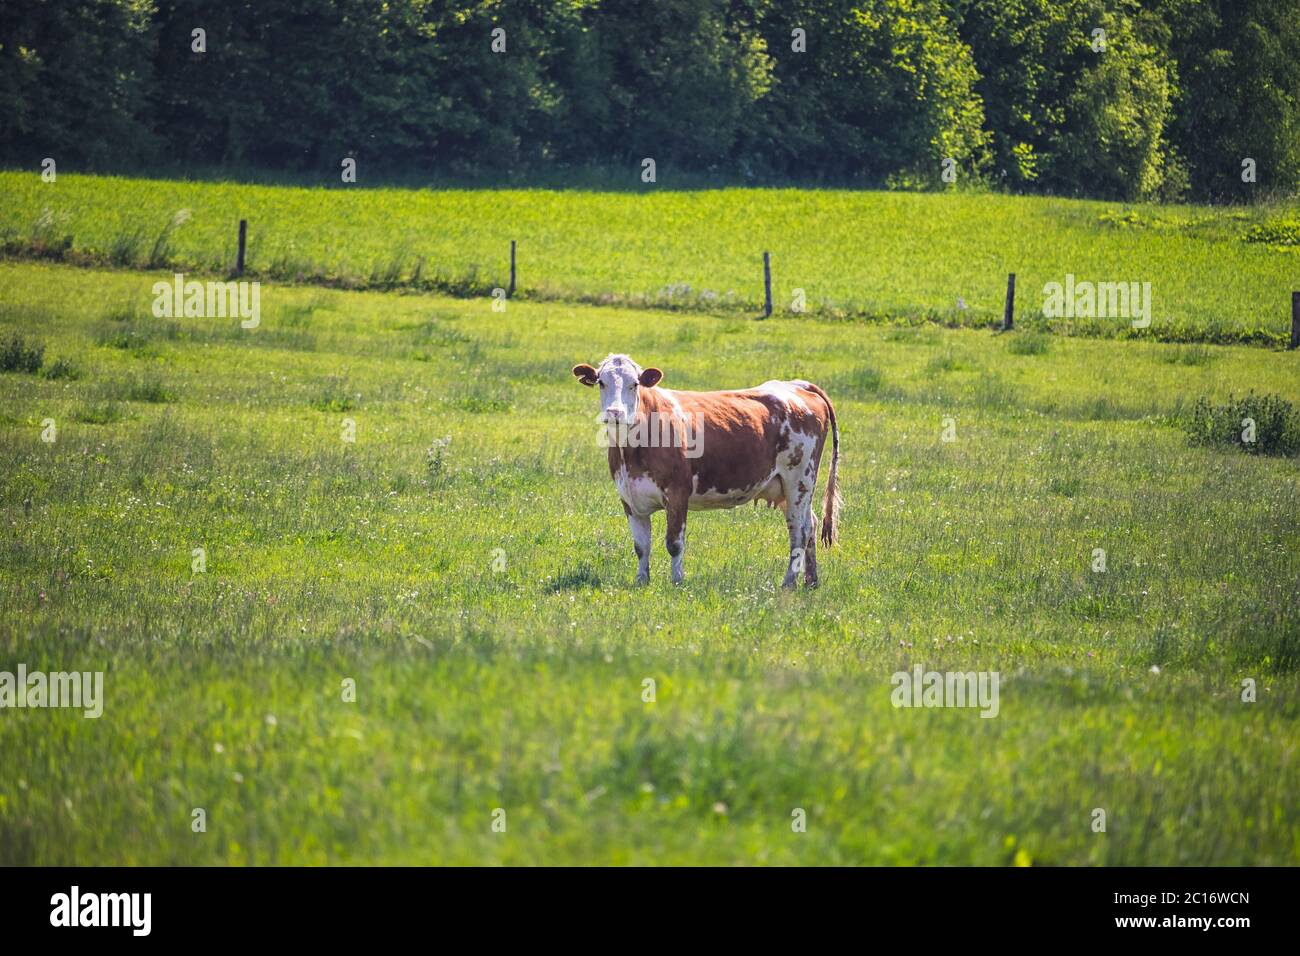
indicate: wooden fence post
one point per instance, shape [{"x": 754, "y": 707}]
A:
[
  {"x": 1295, "y": 320},
  {"x": 1009, "y": 312},
  {"x": 767, "y": 285},
  {"x": 243, "y": 241},
  {"x": 510, "y": 292}
]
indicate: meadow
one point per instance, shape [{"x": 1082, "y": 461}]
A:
[
  {"x": 1220, "y": 275},
  {"x": 466, "y": 564}
]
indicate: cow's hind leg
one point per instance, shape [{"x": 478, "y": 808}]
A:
[
  {"x": 640, "y": 526},
  {"x": 675, "y": 537},
  {"x": 810, "y": 525},
  {"x": 799, "y": 522},
  {"x": 810, "y": 549}
]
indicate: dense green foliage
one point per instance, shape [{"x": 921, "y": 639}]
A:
[
  {"x": 1257, "y": 424},
  {"x": 1071, "y": 110},
  {"x": 518, "y": 684},
  {"x": 1239, "y": 76},
  {"x": 19, "y": 355},
  {"x": 1015, "y": 92}
]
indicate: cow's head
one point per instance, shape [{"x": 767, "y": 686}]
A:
[{"x": 620, "y": 380}]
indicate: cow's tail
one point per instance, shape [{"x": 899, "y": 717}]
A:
[{"x": 831, "y": 505}]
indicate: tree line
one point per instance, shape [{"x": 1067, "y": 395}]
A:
[{"x": 1130, "y": 99}]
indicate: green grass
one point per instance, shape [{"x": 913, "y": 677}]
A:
[
  {"x": 1217, "y": 274},
  {"x": 521, "y": 688}
]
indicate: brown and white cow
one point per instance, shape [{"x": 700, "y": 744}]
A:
[{"x": 689, "y": 451}]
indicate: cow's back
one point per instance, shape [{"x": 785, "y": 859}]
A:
[{"x": 748, "y": 438}]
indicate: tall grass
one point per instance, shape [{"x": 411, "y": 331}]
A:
[{"x": 466, "y": 563}]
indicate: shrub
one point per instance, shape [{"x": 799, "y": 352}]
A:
[
  {"x": 1276, "y": 233},
  {"x": 124, "y": 250},
  {"x": 62, "y": 369},
  {"x": 102, "y": 413},
  {"x": 1257, "y": 424},
  {"x": 144, "y": 388},
  {"x": 17, "y": 355}
]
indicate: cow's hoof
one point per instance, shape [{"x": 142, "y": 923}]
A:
[
  {"x": 642, "y": 580},
  {"x": 810, "y": 583},
  {"x": 789, "y": 584}
]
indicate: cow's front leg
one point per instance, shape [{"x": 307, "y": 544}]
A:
[
  {"x": 675, "y": 537},
  {"x": 640, "y": 526}
]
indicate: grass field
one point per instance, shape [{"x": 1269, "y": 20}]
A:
[
  {"x": 1216, "y": 274},
  {"x": 465, "y": 561}
]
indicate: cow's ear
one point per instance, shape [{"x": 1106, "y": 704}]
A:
[
  {"x": 651, "y": 377},
  {"x": 585, "y": 374}
]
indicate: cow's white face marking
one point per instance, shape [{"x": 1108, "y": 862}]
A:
[{"x": 618, "y": 380}]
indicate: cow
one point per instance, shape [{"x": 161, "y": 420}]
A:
[{"x": 679, "y": 451}]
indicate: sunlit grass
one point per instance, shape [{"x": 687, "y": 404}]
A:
[
  {"x": 521, "y": 688},
  {"x": 875, "y": 254}
]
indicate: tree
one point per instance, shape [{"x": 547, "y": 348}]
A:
[
  {"x": 73, "y": 79},
  {"x": 1072, "y": 110},
  {"x": 1239, "y": 71},
  {"x": 885, "y": 87}
]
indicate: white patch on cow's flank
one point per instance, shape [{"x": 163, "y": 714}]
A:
[{"x": 787, "y": 392}]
